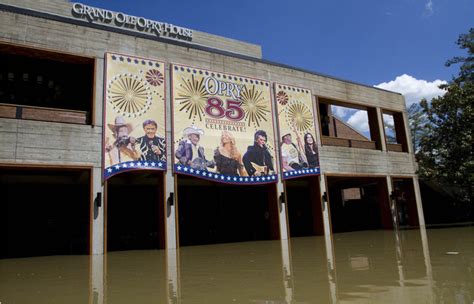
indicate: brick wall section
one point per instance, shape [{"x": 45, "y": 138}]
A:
[{"x": 342, "y": 130}]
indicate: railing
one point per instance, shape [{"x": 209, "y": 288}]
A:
[
  {"x": 395, "y": 147},
  {"x": 349, "y": 143},
  {"x": 43, "y": 114}
]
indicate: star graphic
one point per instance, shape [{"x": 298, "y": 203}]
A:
[
  {"x": 153, "y": 164},
  {"x": 109, "y": 170},
  {"x": 179, "y": 168},
  {"x": 117, "y": 167},
  {"x": 160, "y": 164},
  {"x": 132, "y": 164},
  {"x": 146, "y": 164},
  {"x": 185, "y": 169}
]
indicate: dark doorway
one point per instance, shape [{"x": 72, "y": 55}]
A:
[
  {"x": 135, "y": 211},
  {"x": 304, "y": 206},
  {"x": 404, "y": 195},
  {"x": 44, "y": 211},
  {"x": 359, "y": 203},
  {"x": 211, "y": 213}
]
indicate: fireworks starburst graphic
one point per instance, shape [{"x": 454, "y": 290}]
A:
[
  {"x": 192, "y": 97},
  {"x": 254, "y": 105},
  {"x": 299, "y": 116},
  {"x": 129, "y": 95},
  {"x": 154, "y": 77},
  {"x": 282, "y": 98}
]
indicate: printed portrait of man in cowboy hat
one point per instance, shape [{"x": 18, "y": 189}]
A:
[
  {"x": 123, "y": 148},
  {"x": 189, "y": 152}
]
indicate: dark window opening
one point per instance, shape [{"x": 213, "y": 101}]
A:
[
  {"x": 39, "y": 83},
  {"x": 44, "y": 212}
]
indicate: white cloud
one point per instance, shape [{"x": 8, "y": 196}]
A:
[
  {"x": 414, "y": 89},
  {"x": 428, "y": 9},
  {"x": 342, "y": 112},
  {"x": 359, "y": 121}
]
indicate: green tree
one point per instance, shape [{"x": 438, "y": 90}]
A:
[
  {"x": 418, "y": 124},
  {"x": 446, "y": 150},
  {"x": 466, "y": 70}
]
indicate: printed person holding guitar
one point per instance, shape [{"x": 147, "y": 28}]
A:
[
  {"x": 257, "y": 160},
  {"x": 292, "y": 158}
]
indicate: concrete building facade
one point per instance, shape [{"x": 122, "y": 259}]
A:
[{"x": 38, "y": 142}]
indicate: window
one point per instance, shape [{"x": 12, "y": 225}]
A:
[
  {"x": 394, "y": 130},
  {"x": 348, "y": 125},
  {"x": 42, "y": 85}
]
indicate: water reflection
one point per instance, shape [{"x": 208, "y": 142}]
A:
[{"x": 409, "y": 266}]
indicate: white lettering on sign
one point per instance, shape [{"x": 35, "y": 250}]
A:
[
  {"x": 217, "y": 87},
  {"x": 94, "y": 14}
]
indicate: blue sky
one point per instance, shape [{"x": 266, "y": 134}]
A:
[{"x": 400, "y": 45}]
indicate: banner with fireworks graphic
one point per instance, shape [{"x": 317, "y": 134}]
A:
[
  {"x": 134, "y": 112},
  {"x": 298, "y": 149},
  {"x": 222, "y": 127}
]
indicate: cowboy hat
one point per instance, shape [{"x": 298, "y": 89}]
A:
[
  {"x": 283, "y": 137},
  {"x": 192, "y": 130},
  {"x": 120, "y": 122}
]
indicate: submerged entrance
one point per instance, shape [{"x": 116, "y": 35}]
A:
[
  {"x": 359, "y": 203},
  {"x": 135, "y": 211},
  {"x": 44, "y": 211},
  {"x": 404, "y": 195},
  {"x": 211, "y": 213},
  {"x": 304, "y": 206}
]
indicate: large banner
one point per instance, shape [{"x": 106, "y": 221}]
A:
[
  {"x": 134, "y": 115},
  {"x": 222, "y": 127},
  {"x": 298, "y": 149}
]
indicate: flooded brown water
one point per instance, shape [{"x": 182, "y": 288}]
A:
[{"x": 363, "y": 267}]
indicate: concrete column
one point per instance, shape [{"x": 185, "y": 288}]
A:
[
  {"x": 97, "y": 242},
  {"x": 282, "y": 211},
  {"x": 172, "y": 274},
  {"x": 393, "y": 205},
  {"x": 427, "y": 258},
  {"x": 287, "y": 271},
  {"x": 170, "y": 215},
  {"x": 408, "y": 133},
  {"x": 328, "y": 241},
  {"x": 170, "y": 180},
  {"x": 419, "y": 205},
  {"x": 98, "y": 93},
  {"x": 381, "y": 129},
  {"x": 326, "y": 212},
  {"x": 97, "y": 290}
]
